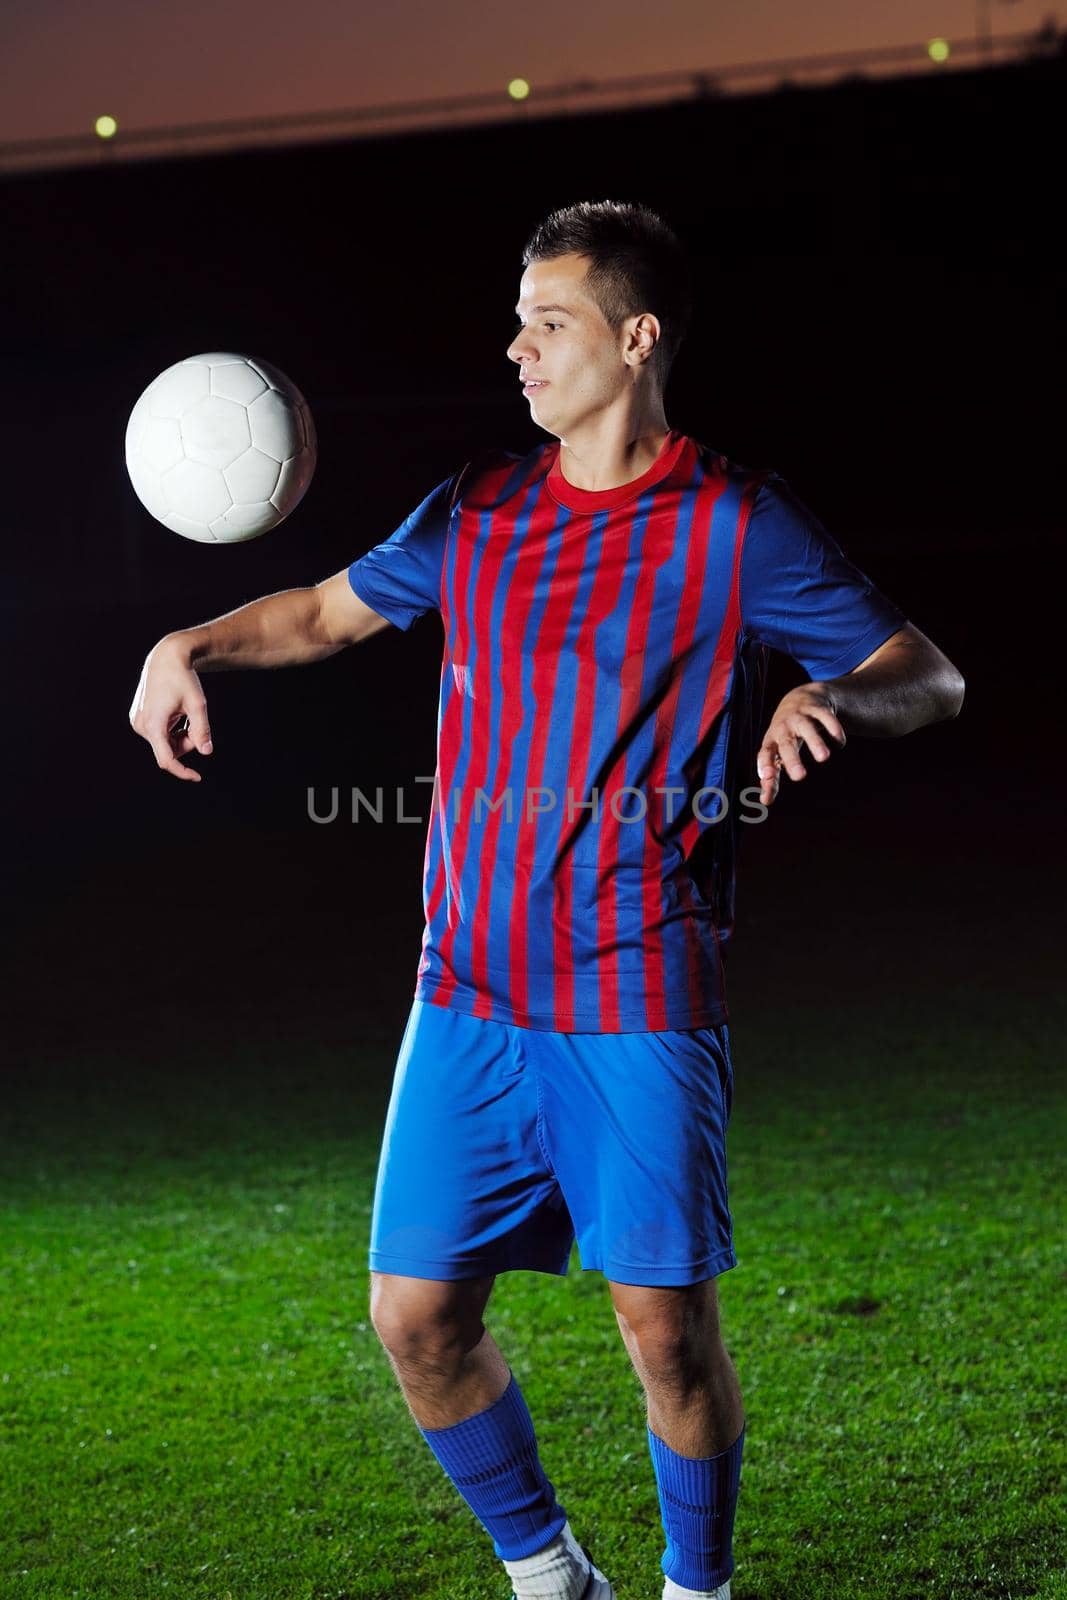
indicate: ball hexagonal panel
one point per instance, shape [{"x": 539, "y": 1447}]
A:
[
  {"x": 215, "y": 431},
  {"x": 196, "y": 491},
  {"x": 275, "y": 429},
  {"x": 252, "y": 477},
  {"x": 187, "y": 527},
  {"x": 175, "y": 390},
  {"x": 245, "y": 522},
  {"x": 237, "y": 381},
  {"x": 293, "y": 480},
  {"x": 160, "y": 443}
]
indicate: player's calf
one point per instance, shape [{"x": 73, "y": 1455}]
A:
[
  {"x": 695, "y": 1429},
  {"x": 472, "y": 1414}
]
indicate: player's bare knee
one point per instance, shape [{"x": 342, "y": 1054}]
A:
[
  {"x": 669, "y": 1331},
  {"x": 438, "y": 1346},
  {"x": 424, "y": 1321}
]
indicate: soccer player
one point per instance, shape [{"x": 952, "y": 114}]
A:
[{"x": 609, "y": 600}]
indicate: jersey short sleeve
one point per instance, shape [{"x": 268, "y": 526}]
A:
[
  {"x": 800, "y": 594},
  {"x": 401, "y": 578}
]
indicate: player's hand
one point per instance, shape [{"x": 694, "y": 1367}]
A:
[
  {"x": 169, "y": 709},
  {"x": 804, "y": 716}
]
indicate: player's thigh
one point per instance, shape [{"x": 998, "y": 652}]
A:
[
  {"x": 635, "y": 1128},
  {"x": 422, "y": 1313}
]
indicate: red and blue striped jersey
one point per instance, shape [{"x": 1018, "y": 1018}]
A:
[{"x": 601, "y": 691}]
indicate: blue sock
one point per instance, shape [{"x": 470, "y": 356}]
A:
[
  {"x": 697, "y": 1498},
  {"x": 492, "y": 1460}
]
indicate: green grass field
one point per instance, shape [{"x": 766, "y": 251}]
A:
[{"x": 193, "y": 1401}]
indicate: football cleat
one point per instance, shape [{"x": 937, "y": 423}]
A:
[{"x": 597, "y": 1586}]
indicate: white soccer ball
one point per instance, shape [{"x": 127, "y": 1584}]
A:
[{"x": 220, "y": 448}]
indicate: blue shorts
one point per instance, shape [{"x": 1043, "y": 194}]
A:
[{"x": 502, "y": 1145}]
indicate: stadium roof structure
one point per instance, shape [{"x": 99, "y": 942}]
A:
[{"x": 548, "y": 100}]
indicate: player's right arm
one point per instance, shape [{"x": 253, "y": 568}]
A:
[{"x": 281, "y": 630}]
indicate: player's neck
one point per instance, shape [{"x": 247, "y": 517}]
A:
[{"x": 612, "y": 456}]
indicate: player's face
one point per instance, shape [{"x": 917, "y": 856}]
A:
[{"x": 564, "y": 342}]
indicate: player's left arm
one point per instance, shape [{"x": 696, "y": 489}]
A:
[{"x": 902, "y": 685}]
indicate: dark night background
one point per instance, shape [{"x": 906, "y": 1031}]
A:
[{"x": 880, "y": 303}]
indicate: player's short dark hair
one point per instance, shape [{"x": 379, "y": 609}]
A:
[{"x": 637, "y": 264}]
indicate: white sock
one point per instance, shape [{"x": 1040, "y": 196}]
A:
[
  {"x": 558, "y": 1572},
  {"x": 674, "y": 1591}
]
